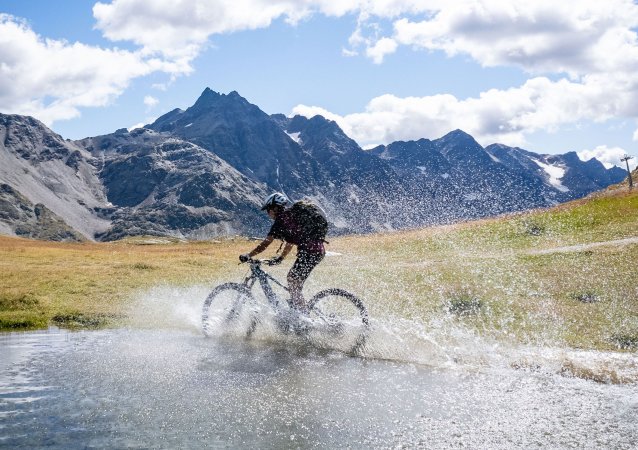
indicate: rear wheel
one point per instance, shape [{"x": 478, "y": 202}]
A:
[
  {"x": 339, "y": 320},
  {"x": 229, "y": 309}
]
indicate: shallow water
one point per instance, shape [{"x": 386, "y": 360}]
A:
[{"x": 174, "y": 388}]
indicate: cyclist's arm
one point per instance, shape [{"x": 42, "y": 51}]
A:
[
  {"x": 261, "y": 247},
  {"x": 286, "y": 250}
]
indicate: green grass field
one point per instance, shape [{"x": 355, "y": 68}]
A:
[{"x": 509, "y": 278}]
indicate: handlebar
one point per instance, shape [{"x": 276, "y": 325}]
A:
[{"x": 268, "y": 262}]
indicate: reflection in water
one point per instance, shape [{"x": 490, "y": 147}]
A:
[{"x": 173, "y": 388}]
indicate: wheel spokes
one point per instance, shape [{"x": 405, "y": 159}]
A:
[
  {"x": 341, "y": 320},
  {"x": 228, "y": 309}
]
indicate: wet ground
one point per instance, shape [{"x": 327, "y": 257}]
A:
[{"x": 174, "y": 388}]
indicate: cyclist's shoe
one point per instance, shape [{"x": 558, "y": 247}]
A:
[
  {"x": 292, "y": 321},
  {"x": 301, "y": 326},
  {"x": 285, "y": 320}
]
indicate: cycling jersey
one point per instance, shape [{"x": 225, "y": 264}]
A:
[{"x": 288, "y": 229}]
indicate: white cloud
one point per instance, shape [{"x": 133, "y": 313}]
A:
[
  {"x": 609, "y": 156},
  {"x": 311, "y": 111},
  {"x": 147, "y": 120},
  {"x": 160, "y": 86},
  {"x": 180, "y": 29},
  {"x": 543, "y": 36},
  {"x": 52, "y": 79},
  {"x": 137, "y": 125},
  {"x": 150, "y": 101},
  {"x": 504, "y": 116},
  {"x": 382, "y": 47},
  {"x": 593, "y": 42}
]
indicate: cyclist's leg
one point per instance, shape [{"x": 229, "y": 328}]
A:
[{"x": 304, "y": 264}]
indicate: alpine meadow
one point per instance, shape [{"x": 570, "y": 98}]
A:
[{"x": 319, "y": 224}]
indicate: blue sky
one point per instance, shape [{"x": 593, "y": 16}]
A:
[{"x": 546, "y": 76}]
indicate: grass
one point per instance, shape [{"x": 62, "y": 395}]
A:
[
  {"x": 87, "y": 284},
  {"x": 495, "y": 276}
]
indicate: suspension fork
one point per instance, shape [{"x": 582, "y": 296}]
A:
[
  {"x": 249, "y": 282},
  {"x": 270, "y": 294}
]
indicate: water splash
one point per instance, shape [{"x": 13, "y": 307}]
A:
[{"x": 443, "y": 343}]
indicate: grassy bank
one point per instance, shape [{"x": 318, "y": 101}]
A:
[
  {"x": 86, "y": 284},
  {"x": 511, "y": 278}
]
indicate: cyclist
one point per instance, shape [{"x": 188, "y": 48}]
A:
[{"x": 287, "y": 228}]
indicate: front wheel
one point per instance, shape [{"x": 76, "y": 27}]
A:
[
  {"x": 340, "y": 320},
  {"x": 229, "y": 309}
]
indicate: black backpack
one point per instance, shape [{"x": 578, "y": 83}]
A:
[{"x": 312, "y": 222}]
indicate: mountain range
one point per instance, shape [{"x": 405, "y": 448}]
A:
[{"x": 203, "y": 172}]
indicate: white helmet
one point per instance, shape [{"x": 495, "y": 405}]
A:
[{"x": 276, "y": 199}]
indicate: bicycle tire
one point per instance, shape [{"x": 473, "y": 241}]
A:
[
  {"x": 341, "y": 319},
  {"x": 228, "y": 310}
]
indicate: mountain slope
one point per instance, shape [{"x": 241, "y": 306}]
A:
[
  {"x": 458, "y": 179},
  {"x": 162, "y": 185},
  {"x": 242, "y": 135},
  {"x": 203, "y": 172},
  {"x": 21, "y": 217},
  {"x": 357, "y": 188},
  {"x": 46, "y": 169},
  {"x": 303, "y": 158},
  {"x": 571, "y": 177}
]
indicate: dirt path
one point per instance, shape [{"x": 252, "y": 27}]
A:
[{"x": 581, "y": 247}]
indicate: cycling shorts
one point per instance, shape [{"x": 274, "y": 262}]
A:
[{"x": 304, "y": 264}]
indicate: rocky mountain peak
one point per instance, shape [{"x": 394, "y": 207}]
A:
[
  {"x": 461, "y": 147},
  {"x": 31, "y": 138},
  {"x": 203, "y": 172},
  {"x": 458, "y": 136},
  {"x": 571, "y": 157},
  {"x": 211, "y": 100},
  {"x": 322, "y": 137},
  {"x": 208, "y": 96},
  {"x": 241, "y": 134},
  {"x": 319, "y": 125}
]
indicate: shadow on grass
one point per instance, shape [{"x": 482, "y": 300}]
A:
[
  {"x": 626, "y": 341},
  {"x": 85, "y": 320},
  {"x": 15, "y": 322}
]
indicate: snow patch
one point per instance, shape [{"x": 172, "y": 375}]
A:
[
  {"x": 554, "y": 173},
  {"x": 471, "y": 196},
  {"x": 445, "y": 176},
  {"x": 295, "y": 137}
]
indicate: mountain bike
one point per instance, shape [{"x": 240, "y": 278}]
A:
[{"x": 335, "y": 318}]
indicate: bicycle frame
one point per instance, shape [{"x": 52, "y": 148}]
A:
[{"x": 257, "y": 274}]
